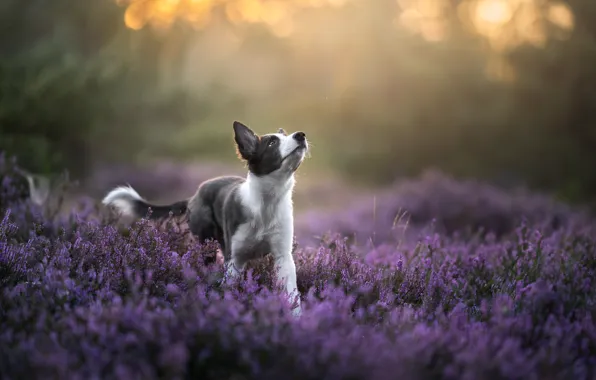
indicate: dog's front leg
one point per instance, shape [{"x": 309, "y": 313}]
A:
[
  {"x": 233, "y": 266},
  {"x": 233, "y": 263},
  {"x": 286, "y": 270},
  {"x": 233, "y": 270}
]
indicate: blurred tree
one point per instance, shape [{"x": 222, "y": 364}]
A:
[
  {"x": 539, "y": 127},
  {"x": 555, "y": 99},
  {"x": 75, "y": 83}
]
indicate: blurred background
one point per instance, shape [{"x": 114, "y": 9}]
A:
[{"x": 147, "y": 90}]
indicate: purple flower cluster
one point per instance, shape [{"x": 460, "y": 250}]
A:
[
  {"x": 436, "y": 202},
  {"x": 90, "y": 300}
]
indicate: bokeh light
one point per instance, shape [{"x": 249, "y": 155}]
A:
[
  {"x": 493, "y": 12},
  {"x": 504, "y": 23},
  {"x": 560, "y": 15},
  {"x": 425, "y": 17},
  {"x": 276, "y": 14},
  {"x": 510, "y": 23}
]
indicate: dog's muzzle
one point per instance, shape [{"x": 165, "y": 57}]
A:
[{"x": 300, "y": 137}]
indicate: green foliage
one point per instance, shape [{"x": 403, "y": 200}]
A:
[
  {"x": 49, "y": 108},
  {"x": 50, "y": 89},
  {"x": 539, "y": 129},
  {"x": 70, "y": 88}
]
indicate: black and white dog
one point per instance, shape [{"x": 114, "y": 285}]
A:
[{"x": 249, "y": 217}]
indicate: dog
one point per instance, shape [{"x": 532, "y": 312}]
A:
[{"x": 249, "y": 217}]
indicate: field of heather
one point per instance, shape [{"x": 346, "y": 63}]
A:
[
  {"x": 428, "y": 279},
  {"x": 445, "y": 223}
]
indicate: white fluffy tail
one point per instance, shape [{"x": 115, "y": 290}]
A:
[
  {"x": 130, "y": 204},
  {"x": 123, "y": 199}
]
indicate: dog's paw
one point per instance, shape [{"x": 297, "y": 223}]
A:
[{"x": 297, "y": 310}]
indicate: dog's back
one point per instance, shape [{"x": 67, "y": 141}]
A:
[{"x": 207, "y": 207}]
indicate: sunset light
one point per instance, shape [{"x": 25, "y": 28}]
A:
[
  {"x": 560, "y": 15},
  {"x": 496, "y": 12},
  {"x": 425, "y": 17},
  {"x": 504, "y": 24},
  {"x": 162, "y": 13}
]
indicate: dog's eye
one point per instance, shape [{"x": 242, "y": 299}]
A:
[{"x": 272, "y": 142}]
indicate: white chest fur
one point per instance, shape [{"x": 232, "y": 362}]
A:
[
  {"x": 269, "y": 204},
  {"x": 269, "y": 227},
  {"x": 271, "y": 222}
]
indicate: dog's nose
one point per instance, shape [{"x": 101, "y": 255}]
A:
[{"x": 300, "y": 136}]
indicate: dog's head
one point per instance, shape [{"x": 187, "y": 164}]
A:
[{"x": 270, "y": 154}]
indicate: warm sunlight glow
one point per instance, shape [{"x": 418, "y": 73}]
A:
[
  {"x": 496, "y": 12},
  {"x": 276, "y": 14},
  {"x": 504, "y": 23},
  {"x": 425, "y": 17},
  {"x": 433, "y": 31},
  {"x": 135, "y": 16},
  {"x": 510, "y": 23},
  {"x": 560, "y": 15}
]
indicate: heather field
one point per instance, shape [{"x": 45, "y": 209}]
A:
[
  {"x": 429, "y": 279},
  {"x": 444, "y": 216}
]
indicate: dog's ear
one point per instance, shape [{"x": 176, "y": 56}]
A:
[
  {"x": 281, "y": 130},
  {"x": 246, "y": 140}
]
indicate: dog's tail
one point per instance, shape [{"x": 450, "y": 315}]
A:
[{"x": 129, "y": 203}]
